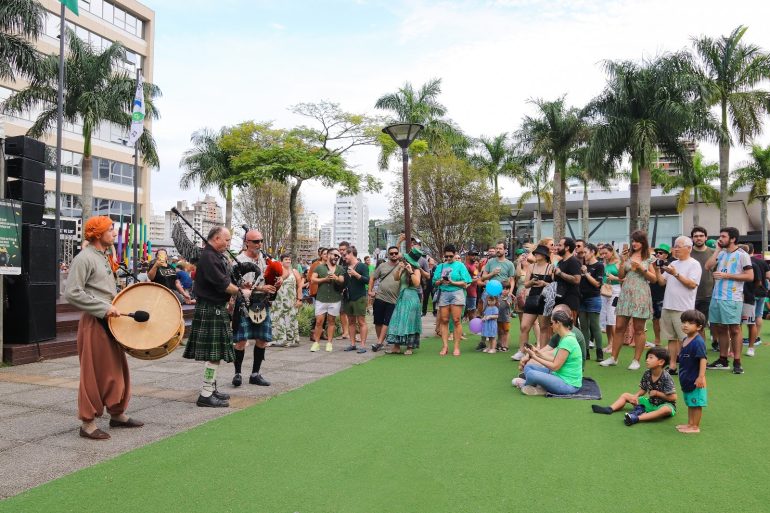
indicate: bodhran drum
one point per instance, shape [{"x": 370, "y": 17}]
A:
[{"x": 160, "y": 334}]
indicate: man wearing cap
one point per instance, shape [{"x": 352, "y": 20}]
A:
[
  {"x": 406, "y": 323},
  {"x": 657, "y": 290},
  {"x": 680, "y": 279},
  {"x": 385, "y": 295},
  {"x": 104, "y": 377}
]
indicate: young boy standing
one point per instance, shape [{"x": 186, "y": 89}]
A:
[
  {"x": 656, "y": 397},
  {"x": 692, "y": 370}
]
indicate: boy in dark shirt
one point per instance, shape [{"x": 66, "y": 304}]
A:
[
  {"x": 692, "y": 370},
  {"x": 656, "y": 397}
]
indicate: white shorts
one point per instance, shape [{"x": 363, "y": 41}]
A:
[
  {"x": 607, "y": 317},
  {"x": 332, "y": 309},
  {"x": 748, "y": 315}
]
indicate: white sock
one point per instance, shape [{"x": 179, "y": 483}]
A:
[{"x": 209, "y": 377}]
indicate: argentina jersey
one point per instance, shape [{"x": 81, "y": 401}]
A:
[{"x": 730, "y": 263}]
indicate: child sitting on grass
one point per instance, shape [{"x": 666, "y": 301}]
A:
[
  {"x": 489, "y": 325},
  {"x": 692, "y": 370},
  {"x": 656, "y": 397}
]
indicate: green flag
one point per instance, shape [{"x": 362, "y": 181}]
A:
[{"x": 72, "y": 5}]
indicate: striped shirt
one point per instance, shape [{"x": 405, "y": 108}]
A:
[{"x": 731, "y": 263}]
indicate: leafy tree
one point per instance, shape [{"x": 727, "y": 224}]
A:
[
  {"x": 730, "y": 70},
  {"x": 695, "y": 182},
  {"x": 552, "y": 135},
  {"x": 334, "y": 130},
  {"x": 585, "y": 172},
  {"x": 208, "y": 165},
  {"x": 96, "y": 91},
  {"x": 756, "y": 175},
  {"x": 536, "y": 182},
  {"x": 260, "y": 153},
  {"x": 266, "y": 207},
  {"x": 21, "y": 22},
  {"x": 496, "y": 158},
  {"x": 643, "y": 109}
]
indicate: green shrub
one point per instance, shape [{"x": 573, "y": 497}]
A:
[{"x": 305, "y": 320}]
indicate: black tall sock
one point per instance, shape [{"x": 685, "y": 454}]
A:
[
  {"x": 259, "y": 355},
  {"x": 239, "y": 354}
]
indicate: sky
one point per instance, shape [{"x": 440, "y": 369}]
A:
[{"x": 221, "y": 63}]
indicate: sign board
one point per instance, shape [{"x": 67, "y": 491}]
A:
[
  {"x": 71, "y": 227},
  {"x": 10, "y": 237}
]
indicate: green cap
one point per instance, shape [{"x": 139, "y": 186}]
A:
[
  {"x": 520, "y": 252},
  {"x": 664, "y": 247},
  {"x": 711, "y": 243}
]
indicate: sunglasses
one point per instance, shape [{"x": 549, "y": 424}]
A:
[
  {"x": 256, "y": 241},
  {"x": 393, "y": 254},
  {"x": 334, "y": 256},
  {"x": 661, "y": 253},
  {"x": 447, "y": 257}
]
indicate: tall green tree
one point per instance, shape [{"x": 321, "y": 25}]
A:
[
  {"x": 731, "y": 70},
  {"x": 96, "y": 91},
  {"x": 756, "y": 175},
  {"x": 537, "y": 183},
  {"x": 21, "y": 22},
  {"x": 260, "y": 153},
  {"x": 208, "y": 165},
  {"x": 496, "y": 157},
  {"x": 552, "y": 134},
  {"x": 586, "y": 173},
  {"x": 695, "y": 183},
  {"x": 646, "y": 108},
  {"x": 409, "y": 105}
]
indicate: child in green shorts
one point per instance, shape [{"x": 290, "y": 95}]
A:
[
  {"x": 656, "y": 397},
  {"x": 692, "y": 370}
]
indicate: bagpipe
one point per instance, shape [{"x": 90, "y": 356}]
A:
[{"x": 259, "y": 301}]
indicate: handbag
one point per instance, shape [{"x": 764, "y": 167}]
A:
[
  {"x": 521, "y": 298},
  {"x": 606, "y": 290}
]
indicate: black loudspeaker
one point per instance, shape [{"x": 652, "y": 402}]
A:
[
  {"x": 25, "y": 168},
  {"x": 31, "y": 213},
  {"x": 23, "y": 146},
  {"x": 31, "y": 312},
  {"x": 25, "y": 190},
  {"x": 38, "y": 256}
]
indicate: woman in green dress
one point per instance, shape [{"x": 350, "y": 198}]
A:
[{"x": 405, "y": 325}]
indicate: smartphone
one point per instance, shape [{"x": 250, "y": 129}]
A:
[
  {"x": 527, "y": 345},
  {"x": 625, "y": 247},
  {"x": 445, "y": 274}
]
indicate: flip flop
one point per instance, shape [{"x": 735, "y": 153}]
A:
[
  {"x": 443, "y": 352},
  {"x": 456, "y": 352}
]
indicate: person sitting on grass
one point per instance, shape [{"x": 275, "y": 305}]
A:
[
  {"x": 489, "y": 325},
  {"x": 656, "y": 397},
  {"x": 564, "y": 374},
  {"x": 692, "y": 370},
  {"x": 547, "y": 351}
]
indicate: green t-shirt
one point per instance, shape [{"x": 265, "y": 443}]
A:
[
  {"x": 572, "y": 369},
  {"x": 326, "y": 292},
  {"x": 554, "y": 342},
  {"x": 507, "y": 270},
  {"x": 613, "y": 270},
  {"x": 457, "y": 272},
  {"x": 357, "y": 286}
]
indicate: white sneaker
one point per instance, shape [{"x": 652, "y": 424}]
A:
[
  {"x": 750, "y": 351},
  {"x": 518, "y": 382},
  {"x": 591, "y": 345},
  {"x": 608, "y": 362},
  {"x": 634, "y": 365},
  {"x": 518, "y": 356},
  {"x": 649, "y": 344}
]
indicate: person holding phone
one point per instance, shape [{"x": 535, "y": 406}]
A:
[
  {"x": 612, "y": 282},
  {"x": 405, "y": 325},
  {"x": 451, "y": 278},
  {"x": 162, "y": 273}
]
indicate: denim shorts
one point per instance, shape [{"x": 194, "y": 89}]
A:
[
  {"x": 591, "y": 304},
  {"x": 759, "y": 308},
  {"x": 470, "y": 304},
  {"x": 455, "y": 298}
]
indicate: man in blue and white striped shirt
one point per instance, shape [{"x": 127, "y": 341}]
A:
[{"x": 732, "y": 267}]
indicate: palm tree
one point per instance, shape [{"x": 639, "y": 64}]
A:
[
  {"x": 695, "y": 182},
  {"x": 730, "y": 70},
  {"x": 755, "y": 174},
  {"x": 552, "y": 135},
  {"x": 644, "y": 109},
  {"x": 94, "y": 92},
  {"x": 536, "y": 182},
  {"x": 586, "y": 173},
  {"x": 408, "y": 105},
  {"x": 21, "y": 22},
  {"x": 208, "y": 165},
  {"x": 496, "y": 158}
]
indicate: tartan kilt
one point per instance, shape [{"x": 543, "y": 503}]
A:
[
  {"x": 247, "y": 330},
  {"x": 211, "y": 335}
]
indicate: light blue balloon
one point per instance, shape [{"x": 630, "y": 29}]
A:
[{"x": 494, "y": 288}]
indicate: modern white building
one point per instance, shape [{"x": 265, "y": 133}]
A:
[
  {"x": 351, "y": 221},
  {"x": 326, "y": 235},
  {"x": 203, "y": 215},
  {"x": 158, "y": 231},
  {"x": 307, "y": 225}
]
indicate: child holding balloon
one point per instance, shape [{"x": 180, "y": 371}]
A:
[{"x": 489, "y": 324}]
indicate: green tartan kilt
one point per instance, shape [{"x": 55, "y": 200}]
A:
[{"x": 211, "y": 335}]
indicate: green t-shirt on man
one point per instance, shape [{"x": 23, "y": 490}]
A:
[
  {"x": 326, "y": 291},
  {"x": 507, "y": 270}
]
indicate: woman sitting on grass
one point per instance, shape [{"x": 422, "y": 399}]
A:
[{"x": 561, "y": 375}]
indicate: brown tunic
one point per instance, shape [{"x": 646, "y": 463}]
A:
[{"x": 104, "y": 376}]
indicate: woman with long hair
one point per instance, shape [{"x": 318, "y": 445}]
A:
[
  {"x": 611, "y": 261},
  {"x": 287, "y": 302},
  {"x": 538, "y": 276},
  {"x": 592, "y": 274},
  {"x": 635, "y": 300}
]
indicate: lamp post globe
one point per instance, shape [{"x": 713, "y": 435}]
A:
[{"x": 404, "y": 134}]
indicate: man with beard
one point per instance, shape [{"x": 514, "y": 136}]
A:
[
  {"x": 567, "y": 276},
  {"x": 732, "y": 267},
  {"x": 702, "y": 254},
  {"x": 501, "y": 269},
  {"x": 385, "y": 296}
]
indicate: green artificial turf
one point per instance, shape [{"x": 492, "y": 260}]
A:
[{"x": 432, "y": 434}]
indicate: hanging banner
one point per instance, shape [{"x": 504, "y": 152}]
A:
[{"x": 10, "y": 237}]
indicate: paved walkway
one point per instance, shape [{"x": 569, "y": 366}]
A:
[{"x": 39, "y": 438}]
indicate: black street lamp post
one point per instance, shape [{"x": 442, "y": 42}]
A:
[{"x": 404, "y": 134}]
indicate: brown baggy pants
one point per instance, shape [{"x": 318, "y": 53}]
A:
[{"x": 104, "y": 379}]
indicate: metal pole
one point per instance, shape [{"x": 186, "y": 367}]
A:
[
  {"x": 135, "y": 251},
  {"x": 59, "y": 128},
  {"x": 2, "y": 196},
  {"x": 407, "y": 213},
  {"x": 764, "y": 226}
]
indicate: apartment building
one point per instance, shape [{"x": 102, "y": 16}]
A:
[{"x": 351, "y": 221}]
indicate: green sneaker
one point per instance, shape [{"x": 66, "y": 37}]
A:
[{"x": 315, "y": 347}]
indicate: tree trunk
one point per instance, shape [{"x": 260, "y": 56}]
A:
[
  {"x": 538, "y": 220},
  {"x": 558, "y": 201},
  {"x": 586, "y": 218},
  {"x": 229, "y": 208},
  {"x": 496, "y": 190},
  {"x": 695, "y": 208},
  {"x": 293, "y": 194},
  {"x": 87, "y": 179},
  {"x": 724, "y": 169},
  {"x": 633, "y": 189},
  {"x": 645, "y": 186}
]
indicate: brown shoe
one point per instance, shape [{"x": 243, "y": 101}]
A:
[
  {"x": 96, "y": 434},
  {"x": 130, "y": 423}
]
